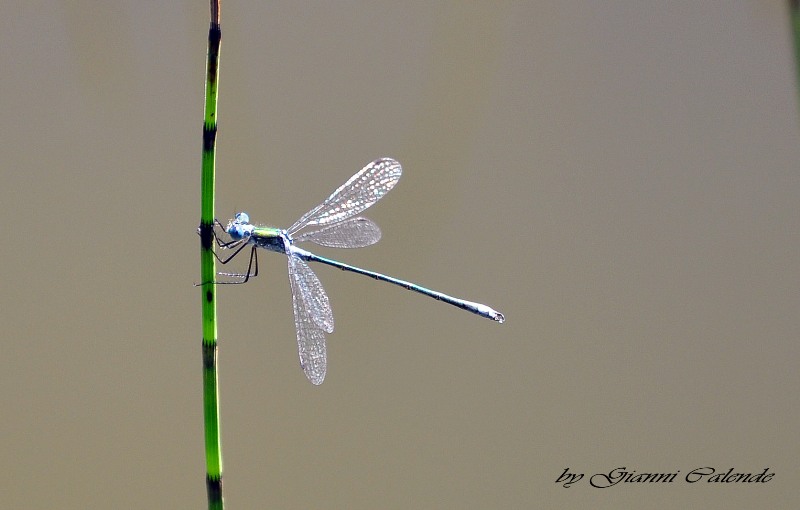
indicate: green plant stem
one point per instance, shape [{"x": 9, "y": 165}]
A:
[
  {"x": 794, "y": 15},
  {"x": 213, "y": 445}
]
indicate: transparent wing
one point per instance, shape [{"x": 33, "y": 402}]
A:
[
  {"x": 353, "y": 197},
  {"x": 352, "y": 233},
  {"x": 312, "y": 318}
]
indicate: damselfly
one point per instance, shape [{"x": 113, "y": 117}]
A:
[{"x": 339, "y": 226}]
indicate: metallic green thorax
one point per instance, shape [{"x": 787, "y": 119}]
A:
[{"x": 270, "y": 238}]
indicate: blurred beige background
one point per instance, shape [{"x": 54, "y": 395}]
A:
[{"x": 619, "y": 178}]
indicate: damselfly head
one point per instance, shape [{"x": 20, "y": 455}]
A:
[{"x": 239, "y": 227}]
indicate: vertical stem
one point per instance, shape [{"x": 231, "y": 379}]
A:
[
  {"x": 208, "y": 271},
  {"x": 794, "y": 15}
]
